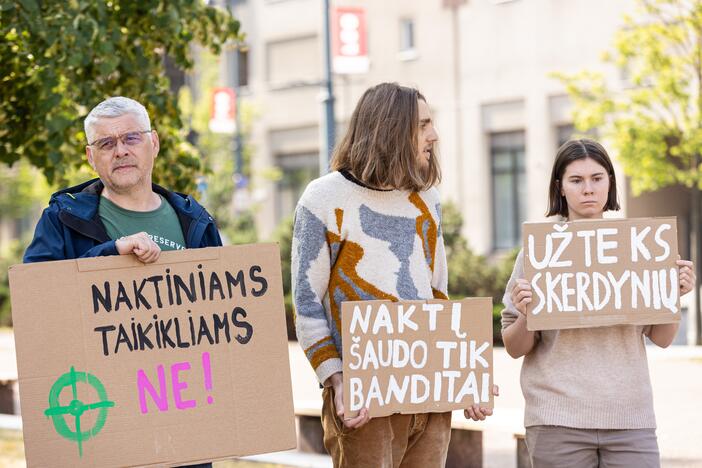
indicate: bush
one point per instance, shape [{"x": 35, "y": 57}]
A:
[
  {"x": 12, "y": 256},
  {"x": 283, "y": 236},
  {"x": 470, "y": 274}
]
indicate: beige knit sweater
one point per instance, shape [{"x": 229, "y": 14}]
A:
[{"x": 587, "y": 378}]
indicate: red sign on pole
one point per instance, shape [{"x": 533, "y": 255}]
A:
[
  {"x": 223, "y": 117},
  {"x": 349, "y": 40}
]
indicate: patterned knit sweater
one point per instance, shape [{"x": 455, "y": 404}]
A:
[
  {"x": 353, "y": 243},
  {"x": 585, "y": 378}
]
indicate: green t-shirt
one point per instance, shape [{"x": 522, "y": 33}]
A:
[{"x": 161, "y": 224}]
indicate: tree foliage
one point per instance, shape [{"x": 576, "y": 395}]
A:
[
  {"x": 654, "y": 117},
  {"x": 283, "y": 235},
  {"x": 22, "y": 190},
  {"x": 470, "y": 274},
  {"x": 223, "y": 191},
  {"x": 59, "y": 59},
  {"x": 11, "y": 255}
]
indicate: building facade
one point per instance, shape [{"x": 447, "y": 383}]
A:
[{"x": 485, "y": 67}]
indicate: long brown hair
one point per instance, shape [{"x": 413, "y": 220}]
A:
[{"x": 380, "y": 145}]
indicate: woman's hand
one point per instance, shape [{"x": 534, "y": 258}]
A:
[
  {"x": 521, "y": 295},
  {"x": 686, "y": 275}
]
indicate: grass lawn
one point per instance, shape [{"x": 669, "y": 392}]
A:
[
  {"x": 12, "y": 454},
  {"x": 11, "y": 449}
]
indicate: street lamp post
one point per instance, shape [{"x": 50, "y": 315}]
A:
[
  {"x": 454, "y": 6},
  {"x": 327, "y": 140}
]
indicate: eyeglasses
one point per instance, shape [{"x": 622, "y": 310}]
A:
[{"x": 129, "y": 139}]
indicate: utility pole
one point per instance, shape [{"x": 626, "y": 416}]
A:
[
  {"x": 234, "y": 82},
  {"x": 327, "y": 98},
  {"x": 454, "y": 6}
]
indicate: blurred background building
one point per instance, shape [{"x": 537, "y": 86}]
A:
[{"x": 484, "y": 66}]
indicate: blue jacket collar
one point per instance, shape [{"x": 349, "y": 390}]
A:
[
  {"x": 78, "y": 208},
  {"x": 82, "y": 200}
]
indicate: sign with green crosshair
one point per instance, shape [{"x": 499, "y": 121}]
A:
[
  {"x": 76, "y": 408},
  {"x": 126, "y": 364}
]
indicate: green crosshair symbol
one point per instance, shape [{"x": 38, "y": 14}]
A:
[{"x": 76, "y": 408}]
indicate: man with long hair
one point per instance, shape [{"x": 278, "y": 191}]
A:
[{"x": 371, "y": 230}]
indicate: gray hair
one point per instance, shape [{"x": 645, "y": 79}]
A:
[{"x": 116, "y": 106}]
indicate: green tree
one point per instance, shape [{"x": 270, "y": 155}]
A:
[
  {"x": 470, "y": 274},
  {"x": 23, "y": 190},
  {"x": 283, "y": 235},
  {"x": 655, "y": 121},
  {"x": 235, "y": 223},
  {"x": 11, "y": 255},
  {"x": 58, "y": 59}
]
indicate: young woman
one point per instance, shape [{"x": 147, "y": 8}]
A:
[
  {"x": 371, "y": 230},
  {"x": 587, "y": 391}
]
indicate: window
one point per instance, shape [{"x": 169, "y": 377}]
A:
[
  {"x": 243, "y": 67},
  {"x": 295, "y": 61},
  {"x": 564, "y": 133},
  {"x": 298, "y": 170},
  {"x": 406, "y": 34},
  {"x": 508, "y": 188},
  {"x": 567, "y": 132},
  {"x": 237, "y": 67},
  {"x": 407, "y": 49}
]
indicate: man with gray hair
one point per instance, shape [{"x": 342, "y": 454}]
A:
[{"x": 121, "y": 212}]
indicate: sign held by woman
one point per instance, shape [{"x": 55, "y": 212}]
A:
[{"x": 602, "y": 272}]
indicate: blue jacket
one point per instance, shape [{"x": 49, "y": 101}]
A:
[{"x": 71, "y": 227}]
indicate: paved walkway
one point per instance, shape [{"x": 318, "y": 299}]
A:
[{"x": 676, "y": 374}]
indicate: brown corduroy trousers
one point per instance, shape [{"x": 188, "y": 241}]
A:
[{"x": 399, "y": 440}]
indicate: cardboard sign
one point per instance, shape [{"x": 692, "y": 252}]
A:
[
  {"x": 180, "y": 361},
  {"x": 416, "y": 356},
  {"x": 604, "y": 272}
]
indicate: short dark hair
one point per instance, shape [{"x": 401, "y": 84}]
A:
[
  {"x": 573, "y": 150},
  {"x": 380, "y": 145}
]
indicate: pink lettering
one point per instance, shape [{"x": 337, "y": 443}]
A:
[
  {"x": 179, "y": 386},
  {"x": 144, "y": 385}
]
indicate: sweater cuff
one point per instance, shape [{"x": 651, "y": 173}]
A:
[
  {"x": 508, "y": 317},
  {"x": 327, "y": 368}
]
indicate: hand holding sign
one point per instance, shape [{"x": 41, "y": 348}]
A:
[
  {"x": 521, "y": 295},
  {"x": 141, "y": 245},
  {"x": 479, "y": 413},
  {"x": 686, "y": 275},
  {"x": 337, "y": 384}
]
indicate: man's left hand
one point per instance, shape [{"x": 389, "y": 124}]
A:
[{"x": 477, "y": 412}]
